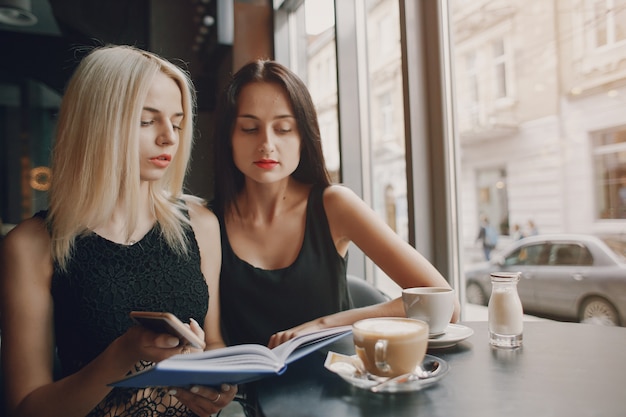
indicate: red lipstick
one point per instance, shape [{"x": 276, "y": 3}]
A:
[{"x": 266, "y": 163}]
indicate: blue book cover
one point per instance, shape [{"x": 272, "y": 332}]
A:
[{"x": 233, "y": 365}]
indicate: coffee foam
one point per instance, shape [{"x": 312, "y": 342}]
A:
[{"x": 390, "y": 327}]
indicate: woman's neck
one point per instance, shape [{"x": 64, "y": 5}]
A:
[
  {"x": 120, "y": 228},
  {"x": 264, "y": 202}
]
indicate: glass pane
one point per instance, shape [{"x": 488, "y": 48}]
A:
[
  {"x": 600, "y": 21},
  {"x": 619, "y": 8},
  {"x": 387, "y": 148},
  {"x": 609, "y": 160},
  {"x": 541, "y": 129},
  {"x": 321, "y": 76}
]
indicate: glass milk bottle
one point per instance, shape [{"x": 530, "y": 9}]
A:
[{"x": 505, "y": 311}]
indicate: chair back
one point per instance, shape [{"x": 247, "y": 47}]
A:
[{"x": 363, "y": 293}]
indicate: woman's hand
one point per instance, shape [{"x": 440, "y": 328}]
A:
[
  {"x": 141, "y": 343},
  {"x": 205, "y": 401},
  {"x": 281, "y": 337}
]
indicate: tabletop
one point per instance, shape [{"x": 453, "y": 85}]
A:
[{"x": 562, "y": 369}]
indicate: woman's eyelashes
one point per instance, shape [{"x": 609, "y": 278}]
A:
[
  {"x": 281, "y": 129},
  {"x": 146, "y": 123},
  {"x": 248, "y": 129}
]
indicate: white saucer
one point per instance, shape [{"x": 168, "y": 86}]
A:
[{"x": 454, "y": 334}]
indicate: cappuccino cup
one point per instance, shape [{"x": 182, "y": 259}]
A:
[
  {"x": 434, "y": 305},
  {"x": 390, "y": 346}
]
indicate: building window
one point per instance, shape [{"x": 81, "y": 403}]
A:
[
  {"x": 484, "y": 72},
  {"x": 609, "y": 22},
  {"x": 609, "y": 149},
  {"x": 472, "y": 95},
  {"x": 499, "y": 69}
]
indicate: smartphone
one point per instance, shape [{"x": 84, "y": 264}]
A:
[{"x": 162, "y": 322}]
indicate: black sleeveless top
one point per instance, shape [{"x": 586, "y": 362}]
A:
[
  {"x": 257, "y": 303},
  {"x": 103, "y": 282}
]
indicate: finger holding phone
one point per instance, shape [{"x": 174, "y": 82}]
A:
[{"x": 190, "y": 337}]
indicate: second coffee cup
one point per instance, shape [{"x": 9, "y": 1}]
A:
[
  {"x": 390, "y": 346},
  {"x": 434, "y": 305}
]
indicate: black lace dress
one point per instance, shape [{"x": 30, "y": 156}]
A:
[{"x": 103, "y": 283}]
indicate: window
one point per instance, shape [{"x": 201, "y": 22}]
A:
[
  {"x": 386, "y": 148},
  {"x": 608, "y": 22},
  {"x": 484, "y": 79},
  {"x": 315, "y": 63},
  {"x": 567, "y": 254},
  {"x": 471, "y": 90},
  {"x": 609, "y": 149},
  {"x": 559, "y": 144},
  {"x": 506, "y": 109},
  {"x": 499, "y": 69}
]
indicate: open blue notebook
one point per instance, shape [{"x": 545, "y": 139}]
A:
[{"x": 233, "y": 365}]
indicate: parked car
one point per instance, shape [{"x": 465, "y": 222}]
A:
[{"x": 563, "y": 276}]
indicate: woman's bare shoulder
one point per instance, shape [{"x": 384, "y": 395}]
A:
[
  {"x": 26, "y": 250},
  {"x": 202, "y": 218},
  {"x": 339, "y": 196},
  {"x": 29, "y": 233}
]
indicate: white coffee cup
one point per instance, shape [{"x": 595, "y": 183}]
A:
[{"x": 434, "y": 305}]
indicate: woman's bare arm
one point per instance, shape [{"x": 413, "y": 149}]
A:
[
  {"x": 27, "y": 336},
  {"x": 351, "y": 220}
]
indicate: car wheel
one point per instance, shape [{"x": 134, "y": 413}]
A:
[
  {"x": 597, "y": 310},
  {"x": 475, "y": 294}
]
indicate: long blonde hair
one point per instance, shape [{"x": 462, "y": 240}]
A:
[{"x": 95, "y": 160}]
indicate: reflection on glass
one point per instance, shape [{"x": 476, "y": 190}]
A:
[
  {"x": 321, "y": 76},
  {"x": 387, "y": 148}
]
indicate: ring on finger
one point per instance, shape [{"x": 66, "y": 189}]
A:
[{"x": 219, "y": 395}]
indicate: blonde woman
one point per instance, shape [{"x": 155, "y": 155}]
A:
[{"x": 119, "y": 235}]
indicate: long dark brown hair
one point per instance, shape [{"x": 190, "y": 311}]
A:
[{"x": 311, "y": 170}]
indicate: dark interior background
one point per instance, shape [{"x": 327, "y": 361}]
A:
[
  {"x": 48, "y": 50},
  {"x": 37, "y": 61}
]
